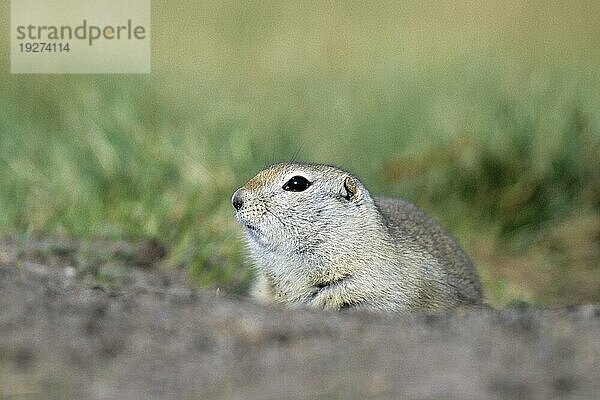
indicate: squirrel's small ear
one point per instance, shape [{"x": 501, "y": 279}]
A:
[{"x": 350, "y": 189}]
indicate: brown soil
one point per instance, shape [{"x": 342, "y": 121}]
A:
[{"x": 101, "y": 321}]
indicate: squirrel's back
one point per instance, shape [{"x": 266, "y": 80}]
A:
[{"x": 407, "y": 222}]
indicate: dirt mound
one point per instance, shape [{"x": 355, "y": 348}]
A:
[{"x": 74, "y": 330}]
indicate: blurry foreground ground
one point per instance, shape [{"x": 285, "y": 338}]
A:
[{"x": 143, "y": 333}]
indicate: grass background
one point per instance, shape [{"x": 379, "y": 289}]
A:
[{"x": 486, "y": 114}]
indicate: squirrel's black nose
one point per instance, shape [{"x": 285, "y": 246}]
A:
[{"x": 236, "y": 200}]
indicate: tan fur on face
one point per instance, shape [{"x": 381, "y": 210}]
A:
[{"x": 263, "y": 178}]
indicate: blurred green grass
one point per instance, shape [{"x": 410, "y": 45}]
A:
[{"x": 487, "y": 115}]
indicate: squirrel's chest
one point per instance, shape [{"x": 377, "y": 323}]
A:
[{"x": 287, "y": 282}]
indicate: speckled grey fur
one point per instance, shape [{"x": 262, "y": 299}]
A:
[{"x": 333, "y": 246}]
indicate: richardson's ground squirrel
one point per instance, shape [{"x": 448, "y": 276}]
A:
[{"x": 319, "y": 239}]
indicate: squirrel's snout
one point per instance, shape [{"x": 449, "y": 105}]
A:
[{"x": 236, "y": 200}]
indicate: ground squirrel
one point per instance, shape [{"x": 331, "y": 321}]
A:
[{"x": 319, "y": 239}]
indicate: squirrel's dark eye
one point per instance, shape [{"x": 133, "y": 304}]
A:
[{"x": 296, "y": 184}]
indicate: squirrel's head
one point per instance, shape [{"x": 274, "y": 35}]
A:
[{"x": 295, "y": 208}]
